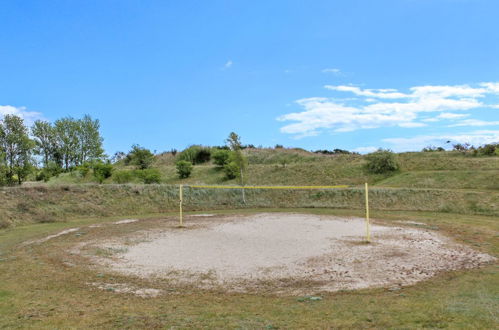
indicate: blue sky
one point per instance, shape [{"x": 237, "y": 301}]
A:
[{"x": 356, "y": 75}]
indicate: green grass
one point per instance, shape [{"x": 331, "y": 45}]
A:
[
  {"x": 23, "y": 205},
  {"x": 42, "y": 289},
  {"x": 458, "y": 179}
]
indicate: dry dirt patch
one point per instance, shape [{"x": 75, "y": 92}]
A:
[{"x": 284, "y": 252}]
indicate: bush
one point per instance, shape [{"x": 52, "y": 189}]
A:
[
  {"x": 84, "y": 169},
  {"x": 49, "y": 171},
  {"x": 149, "y": 176},
  {"x": 195, "y": 155},
  {"x": 432, "y": 149},
  {"x": 140, "y": 157},
  {"x": 123, "y": 176},
  {"x": 102, "y": 171},
  {"x": 381, "y": 161},
  {"x": 184, "y": 169},
  {"x": 231, "y": 170},
  {"x": 489, "y": 149},
  {"x": 221, "y": 157}
]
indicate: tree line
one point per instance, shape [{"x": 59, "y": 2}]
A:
[{"x": 60, "y": 146}]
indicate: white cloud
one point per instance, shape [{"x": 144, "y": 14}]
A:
[
  {"x": 336, "y": 72},
  {"x": 475, "y": 122},
  {"x": 419, "y": 142},
  {"x": 28, "y": 116},
  {"x": 365, "y": 150},
  {"x": 451, "y": 115},
  {"x": 376, "y": 93},
  {"x": 492, "y": 87},
  {"x": 412, "y": 124},
  {"x": 386, "y": 107},
  {"x": 228, "y": 64}
]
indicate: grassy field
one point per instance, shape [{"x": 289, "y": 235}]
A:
[{"x": 44, "y": 287}]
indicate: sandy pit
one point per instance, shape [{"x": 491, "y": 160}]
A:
[{"x": 290, "y": 252}]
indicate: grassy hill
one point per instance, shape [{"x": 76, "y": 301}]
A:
[
  {"x": 445, "y": 170},
  {"x": 433, "y": 181}
]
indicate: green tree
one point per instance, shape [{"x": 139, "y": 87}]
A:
[
  {"x": 66, "y": 130},
  {"x": 90, "y": 140},
  {"x": 45, "y": 139},
  {"x": 140, "y": 157},
  {"x": 237, "y": 157},
  {"x": 184, "y": 169},
  {"x": 16, "y": 148},
  {"x": 381, "y": 161}
]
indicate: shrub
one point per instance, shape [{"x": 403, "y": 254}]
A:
[
  {"x": 50, "y": 170},
  {"x": 221, "y": 157},
  {"x": 381, "y": 161},
  {"x": 184, "y": 169},
  {"x": 140, "y": 157},
  {"x": 123, "y": 176},
  {"x": 149, "y": 176},
  {"x": 84, "y": 169},
  {"x": 195, "y": 154},
  {"x": 231, "y": 170},
  {"x": 102, "y": 171},
  {"x": 432, "y": 149},
  {"x": 488, "y": 149}
]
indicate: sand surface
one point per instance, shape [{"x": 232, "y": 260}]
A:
[{"x": 321, "y": 252}]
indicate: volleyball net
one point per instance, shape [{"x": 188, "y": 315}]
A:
[{"x": 276, "y": 196}]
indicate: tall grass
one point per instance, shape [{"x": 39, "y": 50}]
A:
[{"x": 59, "y": 203}]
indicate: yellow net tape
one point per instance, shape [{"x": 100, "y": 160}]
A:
[{"x": 266, "y": 187}]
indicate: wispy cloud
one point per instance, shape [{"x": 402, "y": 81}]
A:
[
  {"x": 418, "y": 142},
  {"x": 451, "y": 115},
  {"x": 28, "y": 116},
  {"x": 365, "y": 150},
  {"x": 228, "y": 64},
  {"x": 475, "y": 122},
  {"x": 334, "y": 71},
  {"x": 387, "y": 107}
]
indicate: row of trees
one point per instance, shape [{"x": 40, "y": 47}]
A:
[{"x": 59, "y": 146}]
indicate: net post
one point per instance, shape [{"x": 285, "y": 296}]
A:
[
  {"x": 180, "y": 192},
  {"x": 368, "y": 230}
]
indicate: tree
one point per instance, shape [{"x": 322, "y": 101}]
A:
[
  {"x": 237, "y": 157},
  {"x": 16, "y": 148},
  {"x": 90, "y": 141},
  {"x": 118, "y": 156},
  {"x": 45, "y": 140},
  {"x": 66, "y": 130},
  {"x": 76, "y": 141},
  {"x": 140, "y": 157},
  {"x": 381, "y": 161}
]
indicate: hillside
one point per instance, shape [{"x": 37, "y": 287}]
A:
[
  {"x": 444, "y": 170},
  {"x": 438, "y": 182}
]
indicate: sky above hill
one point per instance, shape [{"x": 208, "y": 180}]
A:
[{"x": 351, "y": 74}]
